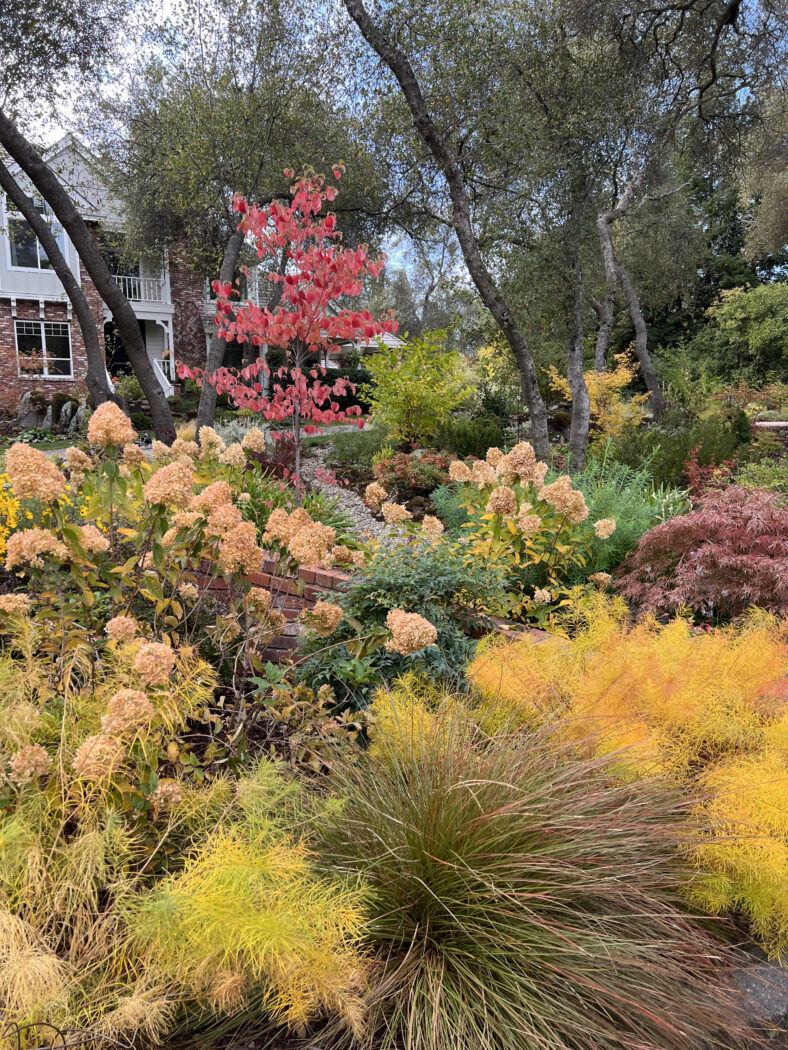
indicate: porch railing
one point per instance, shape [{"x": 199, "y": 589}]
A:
[{"x": 140, "y": 289}]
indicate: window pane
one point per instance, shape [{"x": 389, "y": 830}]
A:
[
  {"x": 24, "y": 246},
  {"x": 29, "y": 347},
  {"x": 58, "y": 348},
  {"x": 57, "y": 233}
]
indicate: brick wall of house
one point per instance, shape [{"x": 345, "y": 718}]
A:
[{"x": 187, "y": 291}]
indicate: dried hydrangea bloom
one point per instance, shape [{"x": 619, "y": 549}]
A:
[
  {"x": 32, "y": 474},
  {"x": 459, "y": 471},
  {"x": 109, "y": 425},
  {"x": 601, "y": 579},
  {"x": 171, "y": 485},
  {"x": 238, "y": 551},
  {"x": 210, "y": 442},
  {"x": 483, "y": 474},
  {"x": 259, "y": 601},
  {"x": 181, "y": 448},
  {"x": 133, "y": 456},
  {"x": 518, "y": 465},
  {"x": 542, "y": 596},
  {"x": 395, "y": 513},
  {"x": 375, "y": 496},
  {"x": 502, "y": 501},
  {"x": 93, "y": 539},
  {"x": 223, "y": 519},
  {"x": 540, "y": 472},
  {"x": 32, "y": 546},
  {"x": 233, "y": 456},
  {"x": 283, "y": 525},
  {"x": 494, "y": 456},
  {"x": 528, "y": 524},
  {"x": 604, "y": 528},
  {"x": 359, "y": 559},
  {"x": 160, "y": 453},
  {"x": 184, "y": 519},
  {"x": 128, "y": 711},
  {"x": 254, "y": 440},
  {"x": 324, "y": 618},
  {"x": 189, "y": 591},
  {"x": 29, "y": 763},
  {"x": 341, "y": 555},
  {"x": 312, "y": 545},
  {"x": 77, "y": 462},
  {"x": 168, "y": 793},
  {"x": 410, "y": 632},
  {"x": 432, "y": 527},
  {"x": 14, "y": 604},
  {"x": 121, "y": 628},
  {"x": 212, "y": 496},
  {"x": 565, "y": 500},
  {"x": 244, "y": 497},
  {"x": 154, "y": 663},
  {"x": 98, "y": 757}
]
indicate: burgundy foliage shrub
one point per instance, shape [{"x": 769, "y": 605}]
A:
[{"x": 728, "y": 553}]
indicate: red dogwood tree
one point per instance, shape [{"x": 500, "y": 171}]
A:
[{"x": 310, "y": 320}]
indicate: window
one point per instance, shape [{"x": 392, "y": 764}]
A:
[
  {"x": 44, "y": 348},
  {"x": 25, "y": 250}
]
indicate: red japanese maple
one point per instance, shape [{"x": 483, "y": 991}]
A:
[{"x": 309, "y": 321}]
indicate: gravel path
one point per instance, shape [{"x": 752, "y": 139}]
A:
[{"x": 347, "y": 500}]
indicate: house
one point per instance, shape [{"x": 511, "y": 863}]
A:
[{"x": 41, "y": 345}]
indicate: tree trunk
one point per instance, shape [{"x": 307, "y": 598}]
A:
[
  {"x": 206, "y": 410},
  {"x": 53, "y": 192},
  {"x": 581, "y": 406},
  {"x": 617, "y": 276},
  {"x": 606, "y": 312},
  {"x": 96, "y": 378},
  {"x": 461, "y": 218}
]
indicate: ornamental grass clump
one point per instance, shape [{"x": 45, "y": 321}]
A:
[{"x": 519, "y": 898}]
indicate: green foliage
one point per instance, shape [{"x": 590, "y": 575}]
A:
[
  {"x": 449, "y": 505},
  {"x": 519, "y": 898},
  {"x": 747, "y": 333},
  {"x": 268, "y": 492},
  {"x": 141, "y": 420},
  {"x": 471, "y": 437},
  {"x": 416, "y": 388},
  {"x": 128, "y": 387},
  {"x": 769, "y": 474},
  {"x": 357, "y": 447}
]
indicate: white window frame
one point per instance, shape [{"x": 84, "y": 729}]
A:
[
  {"x": 54, "y": 377},
  {"x": 12, "y": 213}
]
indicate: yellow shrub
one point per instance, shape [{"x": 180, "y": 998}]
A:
[
  {"x": 611, "y": 413},
  {"x": 705, "y": 709},
  {"x": 406, "y": 716},
  {"x": 9, "y": 512}
]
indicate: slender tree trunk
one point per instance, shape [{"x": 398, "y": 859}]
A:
[
  {"x": 53, "y": 192},
  {"x": 206, "y": 410},
  {"x": 96, "y": 378},
  {"x": 581, "y": 406},
  {"x": 616, "y": 275},
  {"x": 399, "y": 65},
  {"x": 606, "y": 312}
]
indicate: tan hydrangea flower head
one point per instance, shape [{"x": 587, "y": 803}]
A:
[
  {"x": 359, "y": 559},
  {"x": 223, "y": 519},
  {"x": 182, "y": 448},
  {"x": 410, "y": 633},
  {"x": 540, "y": 472},
  {"x": 154, "y": 663},
  {"x": 29, "y": 763},
  {"x": 128, "y": 712},
  {"x": 259, "y": 601},
  {"x": 341, "y": 555},
  {"x": 324, "y": 618},
  {"x": 212, "y": 496},
  {"x": 238, "y": 551},
  {"x": 14, "y": 604},
  {"x": 171, "y": 485},
  {"x": 160, "y": 453},
  {"x": 494, "y": 456},
  {"x": 604, "y": 528},
  {"x": 312, "y": 545},
  {"x": 459, "y": 471},
  {"x": 168, "y": 794},
  {"x": 233, "y": 456},
  {"x": 133, "y": 456},
  {"x": 93, "y": 539},
  {"x": 601, "y": 579},
  {"x": 483, "y": 474},
  {"x": 210, "y": 442},
  {"x": 32, "y": 474},
  {"x": 542, "y": 596},
  {"x": 395, "y": 513},
  {"x": 528, "y": 524},
  {"x": 283, "y": 525},
  {"x": 254, "y": 440},
  {"x": 31, "y": 546},
  {"x": 98, "y": 757},
  {"x": 121, "y": 629},
  {"x": 565, "y": 500},
  {"x": 77, "y": 462},
  {"x": 190, "y": 592},
  {"x": 518, "y": 465},
  {"x": 502, "y": 502},
  {"x": 375, "y": 496},
  {"x": 432, "y": 527},
  {"x": 244, "y": 497},
  {"x": 109, "y": 425}
]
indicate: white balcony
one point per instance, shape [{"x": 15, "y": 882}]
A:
[{"x": 140, "y": 289}]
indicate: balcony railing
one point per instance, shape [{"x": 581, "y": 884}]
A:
[{"x": 140, "y": 289}]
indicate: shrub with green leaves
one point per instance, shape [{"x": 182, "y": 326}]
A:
[
  {"x": 471, "y": 437},
  {"x": 519, "y": 898},
  {"x": 769, "y": 474},
  {"x": 267, "y": 492},
  {"x": 357, "y": 448}
]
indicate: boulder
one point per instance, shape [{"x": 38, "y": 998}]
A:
[{"x": 31, "y": 413}]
